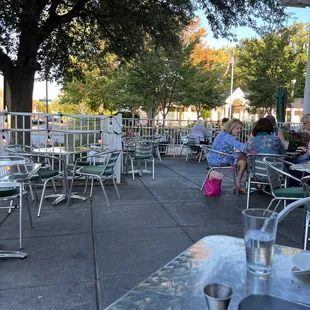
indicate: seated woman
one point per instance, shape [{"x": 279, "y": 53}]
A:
[
  {"x": 263, "y": 140},
  {"x": 226, "y": 142},
  {"x": 200, "y": 131},
  {"x": 305, "y": 128}
]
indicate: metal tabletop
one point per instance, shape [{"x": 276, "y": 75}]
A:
[
  {"x": 304, "y": 167},
  {"x": 180, "y": 283},
  {"x": 20, "y": 175}
]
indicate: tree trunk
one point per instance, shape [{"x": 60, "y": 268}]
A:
[{"x": 21, "y": 88}]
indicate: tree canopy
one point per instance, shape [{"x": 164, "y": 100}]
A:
[
  {"x": 51, "y": 36},
  {"x": 276, "y": 59}
]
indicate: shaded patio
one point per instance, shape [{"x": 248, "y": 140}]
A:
[{"x": 85, "y": 257}]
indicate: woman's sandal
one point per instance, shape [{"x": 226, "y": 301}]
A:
[{"x": 239, "y": 190}]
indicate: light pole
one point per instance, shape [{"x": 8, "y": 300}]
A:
[{"x": 303, "y": 4}]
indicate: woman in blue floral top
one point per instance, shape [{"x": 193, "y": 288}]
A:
[
  {"x": 227, "y": 142},
  {"x": 263, "y": 140}
]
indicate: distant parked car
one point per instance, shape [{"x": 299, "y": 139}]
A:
[{"x": 38, "y": 121}]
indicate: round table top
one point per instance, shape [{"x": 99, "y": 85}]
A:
[{"x": 304, "y": 167}]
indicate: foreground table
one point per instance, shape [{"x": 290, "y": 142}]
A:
[{"x": 179, "y": 284}]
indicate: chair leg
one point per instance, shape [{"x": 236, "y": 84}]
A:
[
  {"x": 306, "y": 230},
  {"x": 29, "y": 210},
  {"x": 31, "y": 191},
  {"x": 132, "y": 170},
  {"x": 21, "y": 217},
  {"x": 104, "y": 193},
  {"x": 235, "y": 180},
  {"x": 117, "y": 192},
  {"x": 91, "y": 188},
  {"x": 158, "y": 154},
  {"x": 271, "y": 202},
  {"x": 70, "y": 190},
  {"x": 276, "y": 207},
  {"x": 181, "y": 150},
  {"x": 42, "y": 198},
  {"x": 86, "y": 185},
  {"x": 248, "y": 194},
  {"x": 205, "y": 181},
  {"x": 153, "y": 168},
  {"x": 54, "y": 186}
]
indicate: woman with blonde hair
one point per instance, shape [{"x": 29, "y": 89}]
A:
[{"x": 226, "y": 141}]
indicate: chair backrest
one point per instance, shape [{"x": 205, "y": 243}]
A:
[
  {"x": 193, "y": 141},
  {"x": 257, "y": 164},
  {"x": 184, "y": 139},
  {"x": 18, "y": 165},
  {"x": 143, "y": 149},
  {"x": 275, "y": 171},
  {"x": 305, "y": 181},
  {"x": 111, "y": 159},
  {"x": 17, "y": 148}
]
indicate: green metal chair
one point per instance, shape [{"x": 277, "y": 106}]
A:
[
  {"x": 50, "y": 170},
  {"x": 305, "y": 181},
  {"x": 258, "y": 173},
  {"x": 13, "y": 168},
  {"x": 101, "y": 172},
  {"x": 278, "y": 180},
  {"x": 193, "y": 147},
  {"x": 140, "y": 151}
]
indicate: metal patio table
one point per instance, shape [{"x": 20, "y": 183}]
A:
[
  {"x": 180, "y": 283},
  {"x": 10, "y": 176},
  {"x": 66, "y": 155}
]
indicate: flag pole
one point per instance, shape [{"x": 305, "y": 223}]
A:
[{"x": 232, "y": 83}]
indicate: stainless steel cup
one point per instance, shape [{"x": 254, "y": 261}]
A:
[{"x": 218, "y": 296}]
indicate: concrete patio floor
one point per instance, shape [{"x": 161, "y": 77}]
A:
[{"x": 86, "y": 256}]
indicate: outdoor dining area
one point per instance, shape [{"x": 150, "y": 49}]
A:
[{"x": 122, "y": 222}]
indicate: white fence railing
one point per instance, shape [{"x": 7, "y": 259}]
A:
[
  {"x": 148, "y": 127},
  {"x": 54, "y": 130}
]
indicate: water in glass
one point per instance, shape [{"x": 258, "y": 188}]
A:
[{"x": 259, "y": 246}]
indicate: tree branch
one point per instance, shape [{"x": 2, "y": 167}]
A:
[
  {"x": 54, "y": 20},
  {"x": 6, "y": 64}
]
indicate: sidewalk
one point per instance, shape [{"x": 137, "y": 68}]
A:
[{"x": 85, "y": 257}]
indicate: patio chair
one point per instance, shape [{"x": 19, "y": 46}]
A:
[
  {"x": 51, "y": 170},
  {"x": 305, "y": 183},
  {"x": 231, "y": 166},
  {"x": 277, "y": 178},
  {"x": 258, "y": 173},
  {"x": 140, "y": 151},
  {"x": 10, "y": 190},
  {"x": 102, "y": 172},
  {"x": 183, "y": 142},
  {"x": 193, "y": 148},
  {"x": 165, "y": 143}
]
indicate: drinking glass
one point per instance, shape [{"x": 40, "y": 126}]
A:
[
  {"x": 260, "y": 230},
  {"x": 218, "y": 296}
]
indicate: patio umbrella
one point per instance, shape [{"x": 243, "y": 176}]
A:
[{"x": 281, "y": 98}]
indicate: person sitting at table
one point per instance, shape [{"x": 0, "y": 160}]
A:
[
  {"x": 263, "y": 140},
  {"x": 276, "y": 131},
  {"x": 286, "y": 127},
  {"x": 305, "y": 124},
  {"x": 226, "y": 141},
  {"x": 200, "y": 131}
]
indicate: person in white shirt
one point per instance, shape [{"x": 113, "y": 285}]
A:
[
  {"x": 305, "y": 127},
  {"x": 199, "y": 130}
]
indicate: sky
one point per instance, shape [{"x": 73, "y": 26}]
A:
[{"x": 302, "y": 15}]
